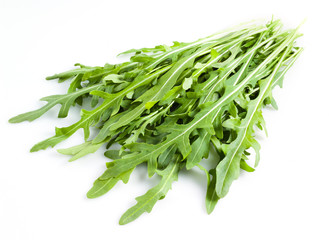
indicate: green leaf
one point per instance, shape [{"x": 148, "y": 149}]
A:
[
  {"x": 66, "y": 100},
  {"x": 146, "y": 202},
  {"x": 115, "y": 78},
  {"x": 187, "y": 83},
  {"x": 211, "y": 196},
  {"x": 101, "y": 187},
  {"x": 245, "y": 166},
  {"x": 200, "y": 149},
  {"x": 80, "y": 150}
]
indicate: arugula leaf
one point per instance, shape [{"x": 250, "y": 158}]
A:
[
  {"x": 103, "y": 186},
  {"x": 146, "y": 202},
  {"x": 66, "y": 100},
  {"x": 211, "y": 196},
  {"x": 80, "y": 150}
]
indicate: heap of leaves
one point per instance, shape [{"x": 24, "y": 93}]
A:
[{"x": 169, "y": 105}]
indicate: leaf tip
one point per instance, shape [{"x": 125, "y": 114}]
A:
[
  {"x": 52, "y": 77},
  {"x": 90, "y": 194},
  {"x": 123, "y": 220},
  {"x": 17, "y": 119},
  {"x": 209, "y": 210},
  {"x": 72, "y": 159},
  {"x": 34, "y": 149},
  {"x": 13, "y": 120},
  {"x": 61, "y": 151}
]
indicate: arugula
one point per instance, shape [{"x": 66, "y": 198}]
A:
[{"x": 169, "y": 105}]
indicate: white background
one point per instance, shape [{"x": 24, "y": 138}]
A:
[{"x": 42, "y": 196}]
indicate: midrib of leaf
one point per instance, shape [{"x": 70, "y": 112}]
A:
[
  {"x": 82, "y": 91},
  {"x": 294, "y": 58},
  {"x": 201, "y": 41},
  {"x": 232, "y": 67},
  {"x": 243, "y": 69},
  {"x": 174, "y": 73},
  {"x": 213, "y": 196},
  {"x": 208, "y": 95},
  {"x": 108, "y": 181},
  {"x": 212, "y": 201},
  {"x": 133, "y": 86},
  {"x": 168, "y": 152},
  {"x": 171, "y": 53},
  {"x": 198, "y": 149},
  {"x": 214, "y": 60}
]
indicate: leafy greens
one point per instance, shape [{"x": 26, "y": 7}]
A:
[{"x": 169, "y": 105}]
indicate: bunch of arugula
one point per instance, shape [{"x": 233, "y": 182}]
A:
[{"x": 169, "y": 105}]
